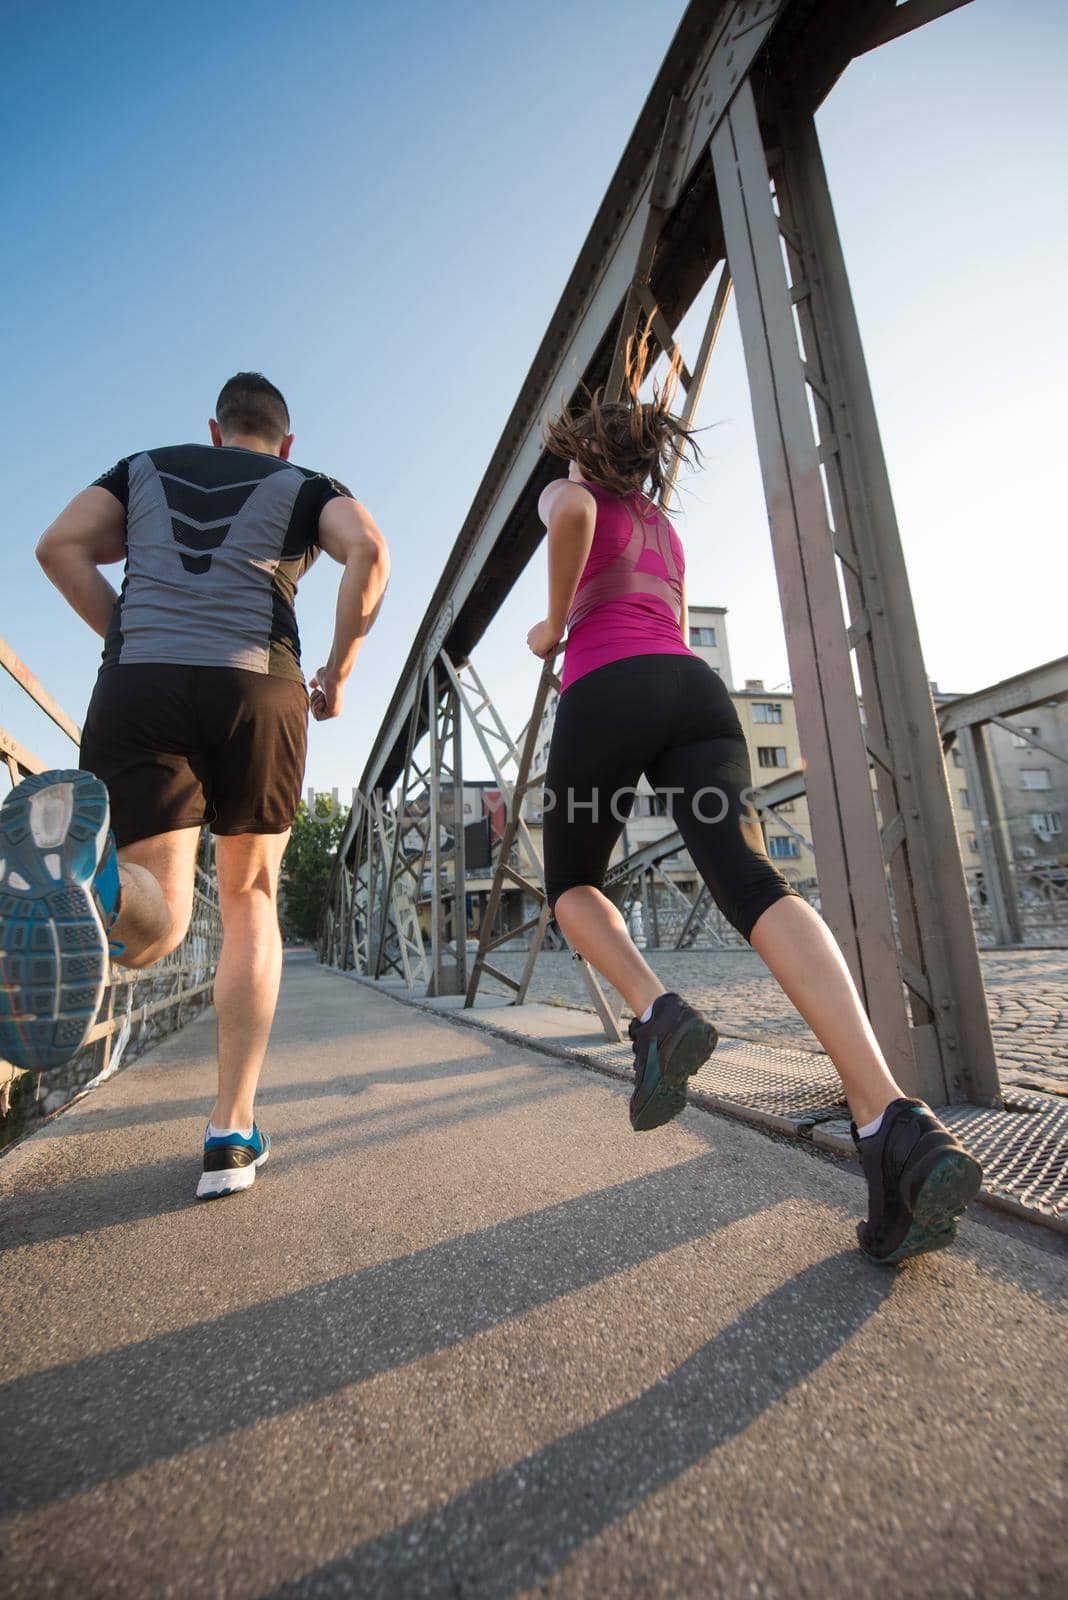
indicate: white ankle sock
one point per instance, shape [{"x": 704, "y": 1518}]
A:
[
  {"x": 647, "y": 1013},
  {"x": 871, "y": 1127},
  {"x": 224, "y": 1133}
]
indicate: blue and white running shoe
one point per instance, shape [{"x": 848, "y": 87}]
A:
[
  {"x": 59, "y": 894},
  {"x": 230, "y": 1162}
]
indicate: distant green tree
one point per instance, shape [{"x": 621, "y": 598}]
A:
[{"x": 306, "y": 865}]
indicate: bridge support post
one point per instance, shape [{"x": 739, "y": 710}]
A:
[
  {"x": 914, "y": 959},
  {"x": 999, "y": 878},
  {"x": 448, "y": 907}
]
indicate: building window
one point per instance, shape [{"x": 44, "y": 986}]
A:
[
  {"x": 958, "y": 760},
  {"x": 1035, "y": 778},
  {"x": 763, "y": 712},
  {"x": 1045, "y": 823},
  {"x": 783, "y": 849},
  {"x": 965, "y": 800},
  {"x": 786, "y": 806},
  {"x": 973, "y": 844},
  {"x": 1018, "y": 740},
  {"x": 771, "y": 755},
  {"x": 658, "y": 806},
  {"x": 705, "y": 636}
]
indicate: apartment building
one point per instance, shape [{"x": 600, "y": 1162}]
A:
[
  {"x": 1029, "y": 754},
  {"x": 769, "y": 722}
]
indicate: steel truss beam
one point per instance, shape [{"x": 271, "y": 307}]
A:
[
  {"x": 448, "y": 901},
  {"x": 1044, "y": 685},
  {"x": 702, "y": 182},
  {"x": 829, "y": 502},
  {"x": 519, "y": 861},
  {"x": 966, "y": 719},
  {"x": 715, "y": 46},
  {"x": 902, "y": 19}
]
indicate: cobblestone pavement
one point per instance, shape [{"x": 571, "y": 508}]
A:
[{"x": 1027, "y": 993}]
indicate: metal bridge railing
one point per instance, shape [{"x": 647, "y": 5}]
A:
[{"x": 138, "y": 1007}]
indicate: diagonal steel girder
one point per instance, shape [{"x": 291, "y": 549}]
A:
[
  {"x": 657, "y": 238},
  {"x": 715, "y": 46},
  {"x": 795, "y": 44}
]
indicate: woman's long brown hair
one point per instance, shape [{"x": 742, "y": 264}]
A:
[{"x": 622, "y": 444}]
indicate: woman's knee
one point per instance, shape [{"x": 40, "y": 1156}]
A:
[{"x": 744, "y": 907}]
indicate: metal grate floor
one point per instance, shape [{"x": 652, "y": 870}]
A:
[
  {"x": 1023, "y": 1148},
  {"x": 780, "y": 1082}
]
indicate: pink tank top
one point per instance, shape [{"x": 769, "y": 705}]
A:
[{"x": 629, "y": 596}]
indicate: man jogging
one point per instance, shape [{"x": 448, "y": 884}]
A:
[{"x": 199, "y": 715}]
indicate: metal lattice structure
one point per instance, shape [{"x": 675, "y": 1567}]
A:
[{"x": 723, "y": 178}]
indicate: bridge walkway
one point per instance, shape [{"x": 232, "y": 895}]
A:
[{"x": 468, "y": 1336}]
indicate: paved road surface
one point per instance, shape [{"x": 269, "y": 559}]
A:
[{"x": 469, "y": 1337}]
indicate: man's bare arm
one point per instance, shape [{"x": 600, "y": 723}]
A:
[
  {"x": 88, "y": 535},
  {"x": 348, "y": 533}
]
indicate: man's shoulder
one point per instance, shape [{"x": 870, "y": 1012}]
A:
[
  {"x": 210, "y": 467},
  {"x": 213, "y": 465},
  {"x": 312, "y": 474}
]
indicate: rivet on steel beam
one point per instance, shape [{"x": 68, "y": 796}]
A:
[
  {"x": 914, "y": 813},
  {"x": 906, "y": 774}
]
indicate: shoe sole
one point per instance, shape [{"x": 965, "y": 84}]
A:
[
  {"x": 53, "y": 948},
  {"x": 213, "y": 1185},
  {"x": 948, "y": 1187},
  {"x": 686, "y": 1055}
]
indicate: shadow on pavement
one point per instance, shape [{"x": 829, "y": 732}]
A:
[
  {"x": 517, "y": 1528},
  {"x": 91, "y": 1120},
  {"x": 68, "y": 1207},
  {"x": 80, "y": 1424}
]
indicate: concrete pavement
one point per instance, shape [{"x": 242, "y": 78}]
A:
[{"x": 468, "y": 1336}]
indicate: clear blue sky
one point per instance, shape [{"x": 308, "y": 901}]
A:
[{"x": 378, "y": 206}]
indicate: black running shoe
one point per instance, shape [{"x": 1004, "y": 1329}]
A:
[
  {"x": 668, "y": 1049},
  {"x": 920, "y": 1178}
]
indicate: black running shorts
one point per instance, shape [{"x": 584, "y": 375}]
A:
[{"x": 180, "y": 746}]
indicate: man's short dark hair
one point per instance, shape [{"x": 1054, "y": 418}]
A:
[{"x": 249, "y": 403}]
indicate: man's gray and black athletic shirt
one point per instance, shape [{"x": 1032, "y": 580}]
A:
[{"x": 216, "y": 542}]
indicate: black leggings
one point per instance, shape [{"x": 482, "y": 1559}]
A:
[{"x": 671, "y": 718}]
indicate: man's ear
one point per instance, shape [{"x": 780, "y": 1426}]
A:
[
  {"x": 216, "y": 433},
  {"x": 286, "y": 446}
]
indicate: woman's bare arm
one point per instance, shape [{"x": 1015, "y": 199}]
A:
[{"x": 569, "y": 512}]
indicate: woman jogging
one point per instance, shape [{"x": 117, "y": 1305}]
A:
[{"x": 635, "y": 699}]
